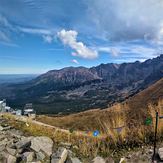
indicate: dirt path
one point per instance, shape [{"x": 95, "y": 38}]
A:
[{"x": 29, "y": 120}]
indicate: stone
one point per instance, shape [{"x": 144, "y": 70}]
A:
[
  {"x": 6, "y": 128},
  {"x": 4, "y": 154},
  {"x": 11, "y": 159},
  {"x": 122, "y": 160},
  {"x": 42, "y": 143},
  {"x": 2, "y": 159},
  {"x": 71, "y": 154},
  {"x": 2, "y": 137},
  {"x": 1, "y": 128},
  {"x": 160, "y": 152},
  {"x": 66, "y": 145},
  {"x": 73, "y": 160},
  {"x": 15, "y": 133},
  {"x": 98, "y": 160},
  {"x": 75, "y": 147},
  {"x": 23, "y": 143},
  {"x": 40, "y": 156},
  {"x": 11, "y": 151},
  {"x": 150, "y": 151},
  {"x": 28, "y": 156},
  {"x": 4, "y": 141},
  {"x": 2, "y": 147},
  {"x": 109, "y": 160},
  {"x": 60, "y": 156}
]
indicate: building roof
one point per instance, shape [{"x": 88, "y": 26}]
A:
[
  {"x": 1, "y": 102},
  {"x": 28, "y": 110}
]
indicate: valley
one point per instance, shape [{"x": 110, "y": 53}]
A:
[{"x": 78, "y": 89}]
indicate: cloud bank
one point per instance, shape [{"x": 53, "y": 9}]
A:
[{"x": 70, "y": 38}]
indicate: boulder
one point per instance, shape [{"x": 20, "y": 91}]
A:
[
  {"x": 66, "y": 145},
  {"x": 98, "y": 160},
  {"x": 60, "y": 156},
  {"x": 40, "y": 156},
  {"x": 11, "y": 159},
  {"x": 2, "y": 147},
  {"x": 6, "y": 128},
  {"x": 71, "y": 154},
  {"x": 1, "y": 128},
  {"x": 73, "y": 160},
  {"x": 42, "y": 143},
  {"x": 28, "y": 156},
  {"x": 4, "y": 141},
  {"x": 109, "y": 160},
  {"x": 11, "y": 151},
  {"x": 160, "y": 152},
  {"x": 23, "y": 143},
  {"x": 2, "y": 137},
  {"x": 15, "y": 133}
]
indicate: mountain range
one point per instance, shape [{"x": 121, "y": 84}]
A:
[{"x": 75, "y": 89}]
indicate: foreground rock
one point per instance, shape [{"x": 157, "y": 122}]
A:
[
  {"x": 73, "y": 160},
  {"x": 98, "y": 160},
  {"x": 11, "y": 159},
  {"x": 160, "y": 152},
  {"x": 60, "y": 156},
  {"x": 42, "y": 143},
  {"x": 23, "y": 143},
  {"x": 16, "y": 148}
]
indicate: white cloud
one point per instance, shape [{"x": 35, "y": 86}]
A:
[
  {"x": 115, "y": 52},
  {"x": 35, "y": 31},
  {"x": 112, "y": 50},
  {"x": 144, "y": 51},
  {"x": 5, "y": 28},
  {"x": 70, "y": 38},
  {"x": 75, "y": 61},
  {"x": 130, "y": 50},
  {"x": 47, "y": 34}
]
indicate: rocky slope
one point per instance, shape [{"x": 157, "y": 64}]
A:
[
  {"x": 76, "y": 89},
  {"x": 17, "y": 148}
]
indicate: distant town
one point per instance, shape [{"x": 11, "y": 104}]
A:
[{"x": 27, "y": 110}]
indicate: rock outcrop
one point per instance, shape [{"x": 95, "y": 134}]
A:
[{"x": 16, "y": 148}]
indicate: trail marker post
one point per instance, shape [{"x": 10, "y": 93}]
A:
[{"x": 155, "y": 138}]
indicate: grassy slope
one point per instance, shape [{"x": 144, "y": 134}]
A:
[
  {"x": 136, "y": 107},
  {"x": 149, "y": 95}
]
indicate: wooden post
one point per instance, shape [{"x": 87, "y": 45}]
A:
[{"x": 155, "y": 138}]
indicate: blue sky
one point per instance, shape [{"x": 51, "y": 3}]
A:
[{"x": 37, "y": 36}]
